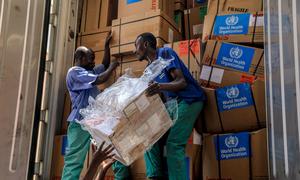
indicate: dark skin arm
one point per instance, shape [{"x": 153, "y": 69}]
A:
[
  {"x": 99, "y": 157},
  {"x": 176, "y": 85},
  {"x": 106, "y": 57},
  {"x": 104, "y": 168},
  {"x": 103, "y": 77}
]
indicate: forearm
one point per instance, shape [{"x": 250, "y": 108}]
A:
[
  {"x": 173, "y": 86},
  {"x": 102, "y": 174},
  {"x": 106, "y": 57},
  {"x": 103, "y": 77},
  {"x": 90, "y": 174}
]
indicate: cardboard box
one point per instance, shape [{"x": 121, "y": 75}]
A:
[
  {"x": 236, "y": 28},
  {"x": 59, "y": 151},
  {"x": 128, "y": 8},
  {"x": 189, "y": 52},
  {"x": 236, "y": 156},
  {"x": 226, "y": 108},
  {"x": 194, "y": 19},
  {"x": 236, "y": 6},
  {"x": 137, "y": 67},
  {"x": 194, "y": 161},
  {"x": 95, "y": 40},
  {"x": 97, "y": 14},
  {"x": 144, "y": 120},
  {"x": 214, "y": 77},
  {"x": 126, "y": 29},
  {"x": 234, "y": 57}
]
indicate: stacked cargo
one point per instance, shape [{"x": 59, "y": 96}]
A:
[
  {"x": 222, "y": 46},
  {"x": 232, "y": 75}
]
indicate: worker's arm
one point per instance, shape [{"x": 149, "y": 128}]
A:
[
  {"x": 106, "y": 57},
  {"x": 104, "y": 169},
  {"x": 103, "y": 77},
  {"x": 176, "y": 85},
  {"x": 99, "y": 157}
]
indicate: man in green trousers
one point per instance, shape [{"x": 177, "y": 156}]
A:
[{"x": 174, "y": 82}]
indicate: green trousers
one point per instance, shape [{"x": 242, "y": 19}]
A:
[
  {"x": 175, "y": 142},
  {"x": 78, "y": 146}
]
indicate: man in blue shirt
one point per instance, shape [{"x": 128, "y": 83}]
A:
[
  {"x": 82, "y": 80},
  {"x": 174, "y": 82}
]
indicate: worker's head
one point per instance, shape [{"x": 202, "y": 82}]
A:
[
  {"x": 85, "y": 57},
  {"x": 144, "y": 43}
]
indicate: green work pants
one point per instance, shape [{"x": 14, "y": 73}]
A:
[{"x": 78, "y": 146}]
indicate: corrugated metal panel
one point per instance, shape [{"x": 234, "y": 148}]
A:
[{"x": 282, "y": 22}]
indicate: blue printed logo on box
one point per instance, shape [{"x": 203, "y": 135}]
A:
[
  {"x": 132, "y": 1},
  {"x": 232, "y": 24},
  {"x": 233, "y": 97},
  {"x": 235, "y": 57},
  {"x": 232, "y": 146}
]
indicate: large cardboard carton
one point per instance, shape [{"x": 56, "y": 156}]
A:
[
  {"x": 97, "y": 14},
  {"x": 237, "y": 6},
  {"x": 234, "y": 108},
  {"x": 134, "y": 68},
  {"x": 59, "y": 151},
  {"x": 237, "y": 28},
  {"x": 94, "y": 40},
  {"x": 126, "y": 29},
  {"x": 144, "y": 120},
  {"x": 215, "y": 77},
  {"x": 234, "y": 57},
  {"x": 189, "y": 52},
  {"x": 235, "y": 156},
  {"x": 194, "y": 19},
  {"x": 137, "y": 7}
]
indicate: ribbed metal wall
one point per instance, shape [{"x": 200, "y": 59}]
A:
[{"x": 282, "y": 30}]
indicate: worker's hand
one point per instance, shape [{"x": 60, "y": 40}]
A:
[
  {"x": 153, "y": 88},
  {"x": 108, "y": 38},
  {"x": 102, "y": 155},
  {"x": 114, "y": 64},
  {"x": 107, "y": 164}
]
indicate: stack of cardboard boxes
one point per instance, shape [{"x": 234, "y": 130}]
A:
[
  {"x": 232, "y": 75},
  {"x": 221, "y": 42}
]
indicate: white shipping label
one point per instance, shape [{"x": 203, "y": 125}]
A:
[
  {"x": 197, "y": 29},
  {"x": 205, "y": 72},
  {"x": 217, "y": 75},
  {"x": 130, "y": 110},
  {"x": 168, "y": 45},
  {"x": 260, "y": 21},
  {"x": 252, "y": 20},
  {"x": 197, "y": 139},
  {"x": 171, "y": 35},
  {"x": 142, "y": 103}
]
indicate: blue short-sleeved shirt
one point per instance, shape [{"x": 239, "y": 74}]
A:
[
  {"x": 80, "y": 87},
  {"x": 192, "y": 92}
]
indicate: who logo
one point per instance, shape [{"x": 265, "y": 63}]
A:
[
  {"x": 236, "y": 52},
  {"x": 232, "y": 141},
  {"x": 232, "y": 92},
  {"x": 232, "y": 20}
]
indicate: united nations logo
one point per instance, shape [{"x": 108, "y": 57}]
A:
[
  {"x": 232, "y": 141},
  {"x": 236, "y": 53},
  {"x": 232, "y": 92},
  {"x": 232, "y": 20}
]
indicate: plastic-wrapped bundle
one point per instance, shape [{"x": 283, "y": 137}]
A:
[{"x": 124, "y": 116}]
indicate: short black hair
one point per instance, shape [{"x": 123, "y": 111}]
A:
[{"x": 150, "y": 38}]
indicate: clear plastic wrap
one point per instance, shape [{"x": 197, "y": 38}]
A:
[{"x": 123, "y": 116}]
